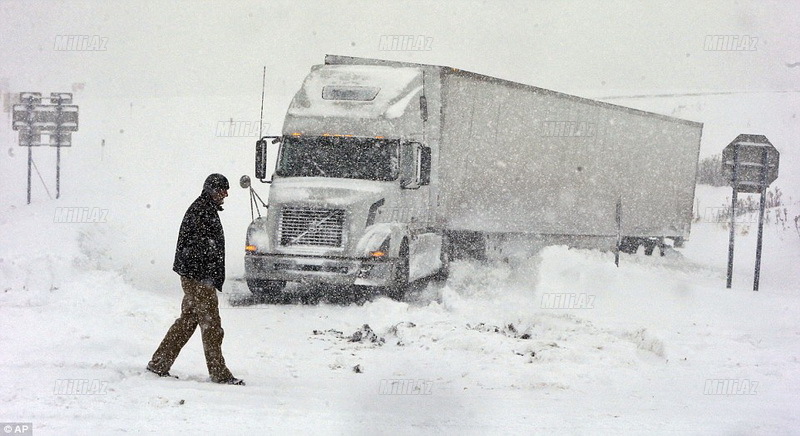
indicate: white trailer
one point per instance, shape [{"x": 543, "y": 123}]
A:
[{"x": 388, "y": 169}]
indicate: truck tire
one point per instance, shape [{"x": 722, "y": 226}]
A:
[
  {"x": 652, "y": 244},
  {"x": 629, "y": 245},
  {"x": 444, "y": 271},
  {"x": 397, "y": 290},
  {"x": 268, "y": 291},
  {"x": 649, "y": 245}
]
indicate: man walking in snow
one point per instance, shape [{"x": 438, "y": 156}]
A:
[{"x": 200, "y": 261}]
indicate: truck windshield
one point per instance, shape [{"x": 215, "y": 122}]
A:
[{"x": 341, "y": 157}]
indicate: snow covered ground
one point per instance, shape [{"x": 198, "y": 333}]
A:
[
  {"x": 498, "y": 348},
  {"x": 562, "y": 343}
]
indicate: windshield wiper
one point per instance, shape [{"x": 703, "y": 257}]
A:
[{"x": 318, "y": 167}]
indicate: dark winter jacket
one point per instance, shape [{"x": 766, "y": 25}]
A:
[{"x": 200, "y": 254}]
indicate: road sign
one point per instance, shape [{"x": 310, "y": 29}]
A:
[
  {"x": 68, "y": 120},
  {"x": 29, "y": 139},
  {"x": 62, "y": 140},
  {"x": 45, "y": 118},
  {"x": 749, "y": 150},
  {"x": 751, "y": 163},
  {"x": 61, "y": 97},
  {"x": 19, "y": 117},
  {"x": 30, "y": 97},
  {"x": 57, "y": 120}
]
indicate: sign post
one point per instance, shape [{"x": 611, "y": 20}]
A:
[
  {"x": 22, "y": 120},
  {"x": 751, "y": 161},
  {"x": 64, "y": 123},
  {"x": 57, "y": 120},
  {"x": 734, "y": 182},
  {"x": 764, "y": 160}
]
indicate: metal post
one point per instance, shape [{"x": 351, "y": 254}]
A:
[
  {"x": 30, "y": 159},
  {"x": 735, "y": 182},
  {"x": 618, "y": 218},
  {"x": 58, "y": 135},
  {"x": 761, "y": 217},
  {"x": 28, "y": 135},
  {"x": 58, "y": 168}
]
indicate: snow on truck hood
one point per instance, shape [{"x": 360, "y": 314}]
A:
[
  {"x": 326, "y": 191},
  {"x": 386, "y": 92}
]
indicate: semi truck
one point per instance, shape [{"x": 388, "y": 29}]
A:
[{"x": 386, "y": 171}]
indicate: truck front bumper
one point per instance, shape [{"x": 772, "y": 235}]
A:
[{"x": 319, "y": 270}]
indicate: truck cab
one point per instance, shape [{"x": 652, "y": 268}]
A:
[{"x": 351, "y": 200}]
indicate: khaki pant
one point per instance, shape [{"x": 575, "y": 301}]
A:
[{"x": 199, "y": 307}]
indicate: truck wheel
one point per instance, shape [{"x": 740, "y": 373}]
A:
[
  {"x": 444, "y": 272},
  {"x": 397, "y": 290},
  {"x": 662, "y": 247},
  {"x": 268, "y": 291},
  {"x": 649, "y": 245},
  {"x": 629, "y": 245}
]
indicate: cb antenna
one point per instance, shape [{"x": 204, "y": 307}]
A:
[
  {"x": 244, "y": 182},
  {"x": 263, "y": 87}
]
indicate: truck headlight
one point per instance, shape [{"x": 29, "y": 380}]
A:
[{"x": 382, "y": 251}]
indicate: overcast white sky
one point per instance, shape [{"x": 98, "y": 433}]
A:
[
  {"x": 592, "y": 48},
  {"x": 211, "y": 54}
]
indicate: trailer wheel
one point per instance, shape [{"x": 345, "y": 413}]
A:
[
  {"x": 629, "y": 245},
  {"x": 268, "y": 291},
  {"x": 662, "y": 247},
  {"x": 652, "y": 244},
  {"x": 397, "y": 290},
  {"x": 649, "y": 245}
]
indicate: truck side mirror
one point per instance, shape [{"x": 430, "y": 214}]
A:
[
  {"x": 425, "y": 164},
  {"x": 261, "y": 159},
  {"x": 261, "y": 156}
]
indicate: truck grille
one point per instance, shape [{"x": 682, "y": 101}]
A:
[{"x": 311, "y": 227}]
